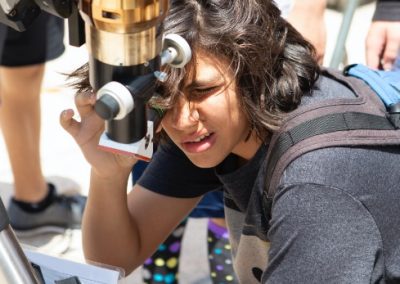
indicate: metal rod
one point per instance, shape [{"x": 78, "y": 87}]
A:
[{"x": 14, "y": 265}]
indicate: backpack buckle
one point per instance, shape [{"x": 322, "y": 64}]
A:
[{"x": 394, "y": 114}]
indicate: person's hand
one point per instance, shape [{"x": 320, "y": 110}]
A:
[
  {"x": 87, "y": 133},
  {"x": 382, "y": 44}
]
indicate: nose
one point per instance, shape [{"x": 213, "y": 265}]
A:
[{"x": 185, "y": 115}]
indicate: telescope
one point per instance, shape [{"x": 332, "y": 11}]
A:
[{"x": 127, "y": 49}]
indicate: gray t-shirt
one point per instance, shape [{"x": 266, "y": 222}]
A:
[{"x": 334, "y": 218}]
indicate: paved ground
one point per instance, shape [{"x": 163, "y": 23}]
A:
[{"x": 66, "y": 167}]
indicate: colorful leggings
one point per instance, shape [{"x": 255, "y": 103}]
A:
[
  {"x": 219, "y": 254},
  {"x": 163, "y": 266}
]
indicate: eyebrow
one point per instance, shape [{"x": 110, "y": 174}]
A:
[{"x": 200, "y": 83}]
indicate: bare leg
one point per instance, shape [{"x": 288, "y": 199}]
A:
[{"x": 20, "y": 89}]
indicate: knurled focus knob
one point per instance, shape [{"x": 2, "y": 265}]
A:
[
  {"x": 114, "y": 101},
  {"x": 107, "y": 107}
]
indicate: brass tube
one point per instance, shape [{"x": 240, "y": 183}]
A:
[
  {"x": 123, "y": 49},
  {"x": 126, "y": 16},
  {"x": 123, "y": 32}
]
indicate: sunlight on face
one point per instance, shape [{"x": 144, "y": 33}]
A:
[{"x": 207, "y": 123}]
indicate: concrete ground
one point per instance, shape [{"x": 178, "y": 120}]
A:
[{"x": 64, "y": 164}]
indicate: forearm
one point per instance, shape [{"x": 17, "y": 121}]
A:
[{"x": 109, "y": 235}]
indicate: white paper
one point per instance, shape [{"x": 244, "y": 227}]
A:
[{"x": 54, "y": 268}]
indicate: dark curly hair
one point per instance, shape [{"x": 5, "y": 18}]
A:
[{"x": 274, "y": 66}]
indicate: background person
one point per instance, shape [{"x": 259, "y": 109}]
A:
[{"x": 36, "y": 206}]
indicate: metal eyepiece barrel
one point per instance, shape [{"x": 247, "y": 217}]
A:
[{"x": 124, "y": 40}]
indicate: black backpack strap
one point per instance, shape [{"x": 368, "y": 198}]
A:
[{"x": 322, "y": 125}]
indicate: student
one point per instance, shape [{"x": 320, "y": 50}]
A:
[
  {"x": 36, "y": 205},
  {"x": 335, "y": 214},
  {"x": 307, "y": 16},
  {"x": 383, "y": 39}
]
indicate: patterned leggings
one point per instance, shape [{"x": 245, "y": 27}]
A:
[{"x": 163, "y": 266}]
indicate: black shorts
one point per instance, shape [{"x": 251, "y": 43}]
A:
[{"x": 42, "y": 41}]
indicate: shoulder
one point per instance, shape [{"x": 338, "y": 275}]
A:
[{"x": 326, "y": 88}]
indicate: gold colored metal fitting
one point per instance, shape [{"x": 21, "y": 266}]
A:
[
  {"x": 128, "y": 16},
  {"x": 123, "y": 32},
  {"x": 123, "y": 49}
]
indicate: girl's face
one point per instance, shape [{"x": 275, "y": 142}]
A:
[{"x": 207, "y": 122}]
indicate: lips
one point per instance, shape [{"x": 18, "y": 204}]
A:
[{"x": 200, "y": 143}]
